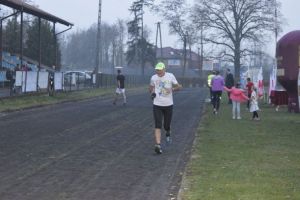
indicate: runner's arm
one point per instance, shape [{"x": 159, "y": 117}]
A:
[
  {"x": 176, "y": 87},
  {"x": 151, "y": 89}
]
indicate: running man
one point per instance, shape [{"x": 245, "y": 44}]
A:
[
  {"x": 120, "y": 88},
  {"x": 162, "y": 85}
]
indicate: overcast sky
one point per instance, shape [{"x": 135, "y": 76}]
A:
[{"x": 83, "y": 13}]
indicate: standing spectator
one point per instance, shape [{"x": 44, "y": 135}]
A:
[
  {"x": 162, "y": 85},
  {"x": 249, "y": 87},
  {"x": 8, "y": 75},
  {"x": 120, "y": 88},
  {"x": 209, "y": 78},
  {"x": 254, "y": 104},
  {"x": 11, "y": 77},
  {"x": 217, "y": 85},
  {"x": 51, "y": 84},
  {"x": 17, "y": 68},
  {"x": 237, "y": 96},
  {"x": 229, "y": 83}
]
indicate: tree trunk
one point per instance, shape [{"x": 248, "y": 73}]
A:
[{"x": 237, "y": 62}]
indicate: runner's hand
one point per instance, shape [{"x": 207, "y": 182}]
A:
[{"x": 153, "y": 95}]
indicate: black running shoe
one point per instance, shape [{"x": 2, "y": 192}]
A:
[
  {"x": 157, "y": 149},
  {"x": 168, "y": 137}
]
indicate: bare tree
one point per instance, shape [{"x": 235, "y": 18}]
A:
[
  {"x": 121, "y": 27},
  {"x": 177, "y": 14},
  {"x": 233, "y": 23}
]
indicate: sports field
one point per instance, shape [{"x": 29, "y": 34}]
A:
[{"x": 245, "y": 159}]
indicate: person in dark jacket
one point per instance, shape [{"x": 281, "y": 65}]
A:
[
  {"x": 229, "y": 83},
  {"x": 120, "y": 88},
  {"x": 11, "y": 77},
  {"x": 51, "y": 84}
]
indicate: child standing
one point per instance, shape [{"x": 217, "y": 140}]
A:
[
  {"x": 237, "y": 96},
  {"x": 249, "y": 87},
  {"x": 254, "y": 104}
]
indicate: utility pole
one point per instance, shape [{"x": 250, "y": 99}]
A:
[
  {"x": 185, "y": 40},
  {"x": 158, "y": 31},
  {"x": 143, "y": 43},
  {"x": 98, "y": 44},
  {"x": 201, "y": 48},
  {"x": 276, "y": 28},
  {"x": 276, "y": 33}
]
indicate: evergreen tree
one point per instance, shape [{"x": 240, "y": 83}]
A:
[
  {"x": 11, "y": 36},
  {"x": 48, "y": 43},
  {"x": 139, "y": 50}
]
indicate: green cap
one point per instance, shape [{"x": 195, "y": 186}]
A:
[{"x": 160, "y": 66}]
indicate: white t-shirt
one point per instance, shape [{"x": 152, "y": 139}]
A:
[{"x": 163, "y": 89}]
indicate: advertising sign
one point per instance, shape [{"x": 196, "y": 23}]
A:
[{"x": 208, "y": 65}]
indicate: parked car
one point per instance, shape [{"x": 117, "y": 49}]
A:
[{"x": 77, "y": 77}]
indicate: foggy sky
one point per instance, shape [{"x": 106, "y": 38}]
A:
[{"x": 84, "y": 13}]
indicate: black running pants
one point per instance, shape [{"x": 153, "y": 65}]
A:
[{"x": 163, "y": 114}]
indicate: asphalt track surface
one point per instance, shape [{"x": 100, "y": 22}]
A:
[{"x": 92, "y": 150}]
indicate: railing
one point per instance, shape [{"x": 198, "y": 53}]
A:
[{"x": 28, "y": 82}]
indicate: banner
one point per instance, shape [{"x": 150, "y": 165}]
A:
[
  {"x": 273, "y": 80},
  {"x": 19, "y": 78},
  {"x": 260, "y": 84},
  {"x": 30, "y": 81},
  {"x": 58, "y": 81},
  {"x": 208, "y": 65},
  {"x": 43, "y": 80}
]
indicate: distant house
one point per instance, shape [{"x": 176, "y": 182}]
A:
[{"x": 174, "y": 58}]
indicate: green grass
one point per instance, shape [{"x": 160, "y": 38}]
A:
[
  {"x": 21, "y": 102},
  {"x": 245, "y": 159}
]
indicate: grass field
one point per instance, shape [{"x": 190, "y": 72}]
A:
[
  {"x": 21, "y": 102},
  {"x": 245, "y": 159},
  {"x": 27, "y": 101},
  {"x": 231, "y": 159}
]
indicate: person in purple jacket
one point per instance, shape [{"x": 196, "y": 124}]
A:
[{"x": 217, "y": 85}]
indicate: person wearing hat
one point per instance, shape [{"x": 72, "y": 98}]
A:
[
  {"x": 120, "y": 88},
  {"x": 162, "y": 86},
  {"x": 209, "y": 78}
]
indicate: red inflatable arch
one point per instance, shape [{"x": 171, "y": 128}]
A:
[{"x": 288, "y": 63}]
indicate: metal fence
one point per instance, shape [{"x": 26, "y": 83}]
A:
[{"x": 30, "y": 82}]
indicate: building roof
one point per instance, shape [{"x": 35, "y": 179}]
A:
[
  {"x": 171, "y": 53},
  {"x": 27, "y": 8}
]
